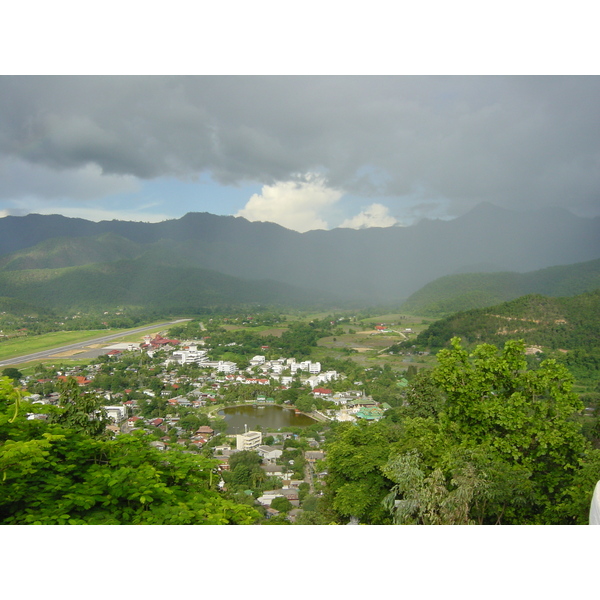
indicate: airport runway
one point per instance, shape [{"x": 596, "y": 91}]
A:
[{"x": 79, "y": 345}]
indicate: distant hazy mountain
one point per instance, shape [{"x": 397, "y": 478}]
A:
[
  {"x": 368, "y": 266},
  {"x": 454, "y": 293}
]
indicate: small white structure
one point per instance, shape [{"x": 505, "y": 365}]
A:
[{"x": 269, "y": 453}]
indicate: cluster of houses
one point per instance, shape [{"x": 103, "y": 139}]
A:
[
  {"x": 349, "y": 406},
  {"x": 282, "y": 370},
  {"x": 272, "y": 467}
]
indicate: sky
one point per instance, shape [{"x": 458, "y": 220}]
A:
[
  {"x": 306, "y": 152},
  {"x": 298, "y": 113}
]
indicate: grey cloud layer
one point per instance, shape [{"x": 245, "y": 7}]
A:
[{"x": 510, "y": 140}]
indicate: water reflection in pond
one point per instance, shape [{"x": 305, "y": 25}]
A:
[{"x": 267, "y": 417}]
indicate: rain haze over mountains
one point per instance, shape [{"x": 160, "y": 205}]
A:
[{"x": 364, "y": 186}]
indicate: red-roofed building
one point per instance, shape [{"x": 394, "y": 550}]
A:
[
  {"x": 159, "y": 341},
  {"x": 205, "y": 431},
  {"x": 80, "y": 379},
  {"x": 322, "y": 392}
]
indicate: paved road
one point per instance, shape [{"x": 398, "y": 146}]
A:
[{"x": 99, "y": 340}]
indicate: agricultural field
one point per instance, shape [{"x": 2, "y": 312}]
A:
[{"x": 365, "y": 345}]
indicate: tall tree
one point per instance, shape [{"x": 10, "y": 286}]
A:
[
  {"x": 356, "y": 484},
  {"x": 525, "y": 417}
]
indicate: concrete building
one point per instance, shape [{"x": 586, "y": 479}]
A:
[
  {"x": 116, "y": 413},
  {"x": 248, "y": 440}
]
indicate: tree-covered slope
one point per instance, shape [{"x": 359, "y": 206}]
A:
[
  {"x": 555, "y": 323},
  {"x": 61, "y": 252},
  {"x": 455, "y": 293},
  {"x": 145, "y": 283}
]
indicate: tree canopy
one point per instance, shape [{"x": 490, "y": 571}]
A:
[{"x": 59, "y": 473}]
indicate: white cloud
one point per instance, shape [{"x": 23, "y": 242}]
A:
[
  {"x": 376, "y": 215},
  {"x": 296, "y": 205}
]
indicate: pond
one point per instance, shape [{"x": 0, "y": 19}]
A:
[{"x": 267, "y": 417}]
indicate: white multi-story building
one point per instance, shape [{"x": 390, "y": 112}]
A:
[
  {"x": 248, "y": 440},
  {"x": 222, "y": 366},
  {"x": 116, "y": 413},
  {"x": 306, "y": 365},
  {"x": 227, "y": 367},
  {"x": 190, "y": 356},
  {"x": 316, "y": 380}
]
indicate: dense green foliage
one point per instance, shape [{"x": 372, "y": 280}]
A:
[
  {"x": 567, "y": 323},
  {"x": 499, "y": 443},
  {"x": 62, "y": 473}
]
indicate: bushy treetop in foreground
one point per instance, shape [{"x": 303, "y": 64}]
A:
[{"x": 62, "y": 472}]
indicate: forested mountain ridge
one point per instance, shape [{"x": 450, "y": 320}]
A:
[
  {"x": 60, "y": 252},
  {"x": 454, "y": 293},
  {"x": 372, "y": 265}
]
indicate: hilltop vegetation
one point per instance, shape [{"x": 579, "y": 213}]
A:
[
  {"x": 455, "y": 293},
  {"x": 567, "y": 329},
  {"x": 555, "y": 323}
]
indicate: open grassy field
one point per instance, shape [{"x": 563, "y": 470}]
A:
[
  {"x": 369, "y": 347},
  {"x": 29, "y": 345},
  {"x": 263, "y": 330}
]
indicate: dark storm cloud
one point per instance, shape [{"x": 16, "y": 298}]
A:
[{"x": 514, "y": 141}]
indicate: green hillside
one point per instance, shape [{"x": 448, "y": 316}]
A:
[
  {"x": 57, "y": 253},
  {"x": 462, "y": 292},
  {"x": 143, "y": 283},
  {"x": 565, "y": 323}
]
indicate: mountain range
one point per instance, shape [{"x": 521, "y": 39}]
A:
[{"x": 203, "y": 258}]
